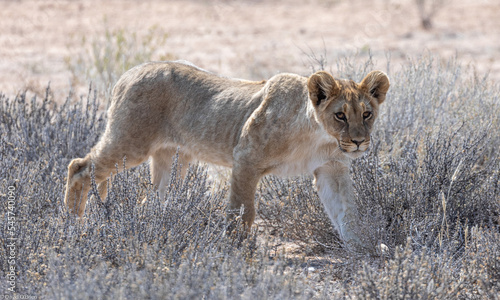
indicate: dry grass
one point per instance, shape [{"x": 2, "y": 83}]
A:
[{"x": 429, "y": 190}]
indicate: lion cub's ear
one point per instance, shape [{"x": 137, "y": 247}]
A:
[
  {"x": 377, "y": 84},
  {"x": 322, "y": 89}
]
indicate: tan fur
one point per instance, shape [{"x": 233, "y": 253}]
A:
[{"x": 284, "y": 126}]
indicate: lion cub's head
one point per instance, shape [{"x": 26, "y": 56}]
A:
[{"x": 347, "y": 109}]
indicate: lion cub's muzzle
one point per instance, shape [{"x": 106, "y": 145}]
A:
[{"x": 355, "y": 146}]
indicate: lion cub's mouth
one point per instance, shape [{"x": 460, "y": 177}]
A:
[
  {"x": 353, "y": 154},
  {"x": 354, "y": 149}
]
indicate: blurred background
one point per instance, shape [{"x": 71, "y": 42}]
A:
[{"x": 73, "y": 43}]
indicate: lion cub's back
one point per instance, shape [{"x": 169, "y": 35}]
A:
[
  {"x": 147, "y": 79},
  {"x": 182, "y": 104}
]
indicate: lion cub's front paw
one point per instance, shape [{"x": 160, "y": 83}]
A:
[{"x": 236, "y": 227}]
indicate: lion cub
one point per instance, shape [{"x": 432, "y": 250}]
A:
[{"x": 287, "y": 125}]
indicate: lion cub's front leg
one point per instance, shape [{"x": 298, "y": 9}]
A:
[
  {"x": 337, "y": 195},
  {"x": 244, "y": 180}
]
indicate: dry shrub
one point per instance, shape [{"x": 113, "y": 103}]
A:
[{"x": 429, "y": 189}]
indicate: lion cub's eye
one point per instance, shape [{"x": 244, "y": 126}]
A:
[
  {"x": 340, "y": 116},
  {"x": 367, "y": 115}
]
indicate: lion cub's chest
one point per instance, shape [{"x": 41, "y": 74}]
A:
[{"x": 307, "y": 158}]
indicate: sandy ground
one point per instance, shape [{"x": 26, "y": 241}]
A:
[{"x": 246, "y": 39}]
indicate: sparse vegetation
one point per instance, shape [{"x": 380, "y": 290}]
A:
[
  {"x": 429, "y": 190},
  {"x": 103, "y": 59}
]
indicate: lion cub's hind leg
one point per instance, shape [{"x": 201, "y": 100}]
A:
[
  {"x": 104, "y": 156},
  {"x": 79, "y": 180},
  {"x": 102, "y": 188},
  {"x": 77, "y": 185},
  {"x": 161, "y": 168}
]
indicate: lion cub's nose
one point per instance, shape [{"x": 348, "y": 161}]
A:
[{"x": 358, "y": 142}]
